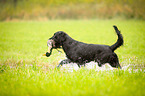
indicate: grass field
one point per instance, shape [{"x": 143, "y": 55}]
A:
[{"x": 23, "y": 70}]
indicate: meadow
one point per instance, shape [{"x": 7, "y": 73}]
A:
[{"x": 24, "y": 71}]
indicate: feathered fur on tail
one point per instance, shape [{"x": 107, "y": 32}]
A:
[{"x": 119, "y": 41}]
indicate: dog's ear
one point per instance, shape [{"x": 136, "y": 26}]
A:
[{"x": 62, "y": 36}]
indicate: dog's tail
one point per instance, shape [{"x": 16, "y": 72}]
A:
[{"x": 119, "y": 41}]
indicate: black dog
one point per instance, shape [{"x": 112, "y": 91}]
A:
[{"x": 81, "y": 53}]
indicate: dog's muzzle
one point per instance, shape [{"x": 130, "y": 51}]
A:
[{"x": 50, "y": 44}]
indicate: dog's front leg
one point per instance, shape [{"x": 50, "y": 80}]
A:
[{"x": 65, "y": 61}]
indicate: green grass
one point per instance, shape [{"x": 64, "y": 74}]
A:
[{"x": 23, "y": 70}]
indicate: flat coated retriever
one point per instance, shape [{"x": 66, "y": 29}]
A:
[{"x": 81, "y": 53}]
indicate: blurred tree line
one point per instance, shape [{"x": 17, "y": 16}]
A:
[{"x": 71, "y": 9}]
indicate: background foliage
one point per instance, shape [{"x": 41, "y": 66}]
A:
[{"x": 71, "y": 9}]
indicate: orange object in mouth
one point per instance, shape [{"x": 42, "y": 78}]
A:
[{"x": 50, "y": 46}]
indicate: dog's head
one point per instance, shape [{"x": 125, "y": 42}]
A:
[{"x": 55, "y": 41}]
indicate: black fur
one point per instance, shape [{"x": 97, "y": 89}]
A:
[{"x": 81, "y": 53}]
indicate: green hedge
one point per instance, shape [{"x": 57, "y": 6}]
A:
[{"x": 71, "y": 9}]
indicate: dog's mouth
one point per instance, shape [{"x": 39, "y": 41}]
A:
[{"x": 51, "y": 45}]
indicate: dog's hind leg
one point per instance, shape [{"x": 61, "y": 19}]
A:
[
  {"x": 114, "y": 62},
  {"x": 118, "y": 66},
  {"x": 65, "y": 61}
]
